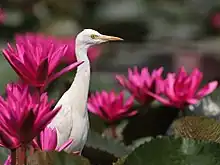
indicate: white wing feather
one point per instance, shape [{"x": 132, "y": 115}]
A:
[
  {"x": 70, "y": 124},
  {"x": 62, "y": 120}
]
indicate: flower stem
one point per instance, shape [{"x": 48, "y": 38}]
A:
[
  {"x": 114, "y": 133},
  {"x": 31, "y": 150},
  {"x": 18, "y": 156},
  {"x": 183, "y": 111}
]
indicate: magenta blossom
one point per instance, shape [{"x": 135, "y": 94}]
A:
[
  {"x": 182, "y": 89},
  {"x": 47, "y": 141},
  {"x": 215, "y": 20},
  {"x": 2, "y": 16},
  {"x": 23, "y": 115},
  {"x": 139, "y": 83},
  {"x": 35, "y": 58},
  {"x": 70, "y": 57},
  {"x": 110, "y": 106}
]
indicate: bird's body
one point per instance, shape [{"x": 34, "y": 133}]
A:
[{"x": 72, "y": 120}]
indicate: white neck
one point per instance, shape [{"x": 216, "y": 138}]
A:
[{"x": 80, "y": 86}]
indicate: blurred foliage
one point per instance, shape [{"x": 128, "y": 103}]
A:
[
  {"x": 216, "y": 96},
  {"x": 3, "y": 155},
  {"x": 6, "y": 72},
  {"x": 153, "y": 121},
  {"x": 57, "y": 88}
]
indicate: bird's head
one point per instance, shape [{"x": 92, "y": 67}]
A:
[{"x": 91, "y": 37}]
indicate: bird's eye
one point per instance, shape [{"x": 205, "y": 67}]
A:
[{"x": 93, "y": 36}]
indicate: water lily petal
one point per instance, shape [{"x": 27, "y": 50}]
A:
[
  {"x": 207, "y": 89},
  {"x": 65, "y": 145},
  {"x": 64, "y": 70}
]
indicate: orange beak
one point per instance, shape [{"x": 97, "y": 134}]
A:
[{"x": 109, "y": 38}]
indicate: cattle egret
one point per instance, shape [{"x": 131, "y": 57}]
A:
[{"x": 72, "y": 120}]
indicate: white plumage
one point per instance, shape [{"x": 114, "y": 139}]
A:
[{"x": 72, "y": 120}]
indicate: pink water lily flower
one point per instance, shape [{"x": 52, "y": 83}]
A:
[
  {"x": 181, "y": 89},
  {"x": 47, "y": 141},
  {"x": 70, "y": 57},
  {"x": 138, "y": 83},
  {"x": 111, "y": 106},
  {"x": 23, "y": 115},
  {"x": 35, "y": 58}
]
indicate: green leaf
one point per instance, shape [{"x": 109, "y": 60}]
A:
[
  {"x": 109, "y": 145},
  {"x": 140, "y": 141},
  {"x": 197, "y": 127},
  {"x": 56, "y": 158},
  {"x": 97, "y": 156},
  {"x": 215, "y": 95},
  {"x": 175, "y": 151}
]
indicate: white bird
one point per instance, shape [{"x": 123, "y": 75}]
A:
[{"x": 72, "y": 121}]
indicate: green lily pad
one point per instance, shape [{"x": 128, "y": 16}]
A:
[
  {"x": 175, "y": 151},
  {"x": 108, "y": 145},
  {"x": 56, "y": 158}
]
